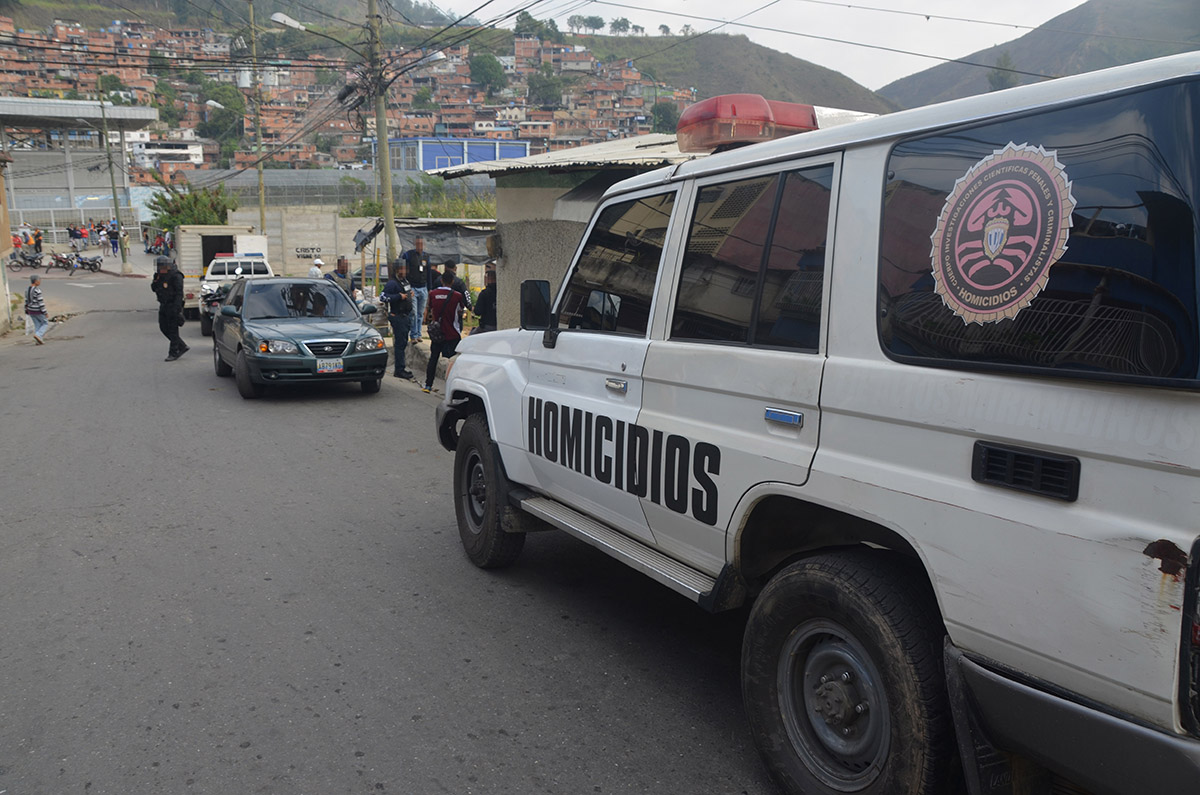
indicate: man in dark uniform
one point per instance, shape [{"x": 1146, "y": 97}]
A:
[
  {"x": 420, "y": 276},
  {"x": 168, "y": 286}
]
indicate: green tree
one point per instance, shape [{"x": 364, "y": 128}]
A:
[
  {"x": 551, "y": 32},
  {"x": 1002, "y": 76},
  {"x": 526, "y": 24},
  {"x": 664, "y": 30},
  {"x": 666, "y": 116},
  {"x": 169, "y": 114},
  {"x": 545, "y": 87},
  {"x": 111, "y": 83},
  {"x": 173, "y": 206},
  {"x": 594, "y": 23},
  {"x": 487, "y": 72},
  {"x": 423, "y": 99},
  {"x": 576, "y": 22},
  {"x": 159, "y": 64},
  {"x": 619, "y": 26}
]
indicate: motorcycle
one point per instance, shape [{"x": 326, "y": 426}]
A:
[
  {"x": 210, "y": 306},
  {"x": 24, "y": 259},
  {"x": 90, "y": 263},
  {"x": 64, "y": 261}
]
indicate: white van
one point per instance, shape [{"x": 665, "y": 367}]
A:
[{"x": 922, "y": 390}]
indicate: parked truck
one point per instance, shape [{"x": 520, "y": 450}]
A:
[{"x": 196, "y": 245}]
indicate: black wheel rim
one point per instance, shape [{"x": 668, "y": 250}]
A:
[
  {"x": 833, "y": 704},
  {"x": 474, "y": 493}
]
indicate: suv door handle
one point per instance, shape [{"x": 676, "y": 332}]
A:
[
  {"x": 784, "y": 417},
  {"x": 616, "y": 385}
]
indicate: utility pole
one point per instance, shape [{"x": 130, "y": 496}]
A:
[
  {"x": 112, "y": 176},
  {"x": 262, "y": 194},
  {"x": 383, "y": 153}
]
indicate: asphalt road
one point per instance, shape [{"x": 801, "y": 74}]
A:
[{"x": 200, "y": 594}]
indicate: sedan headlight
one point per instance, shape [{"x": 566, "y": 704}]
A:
[
  {"x": 369, "y": 344},
  {"x": 277, "y": 346}
]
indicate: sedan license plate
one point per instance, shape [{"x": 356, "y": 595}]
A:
[{"x": 329, "y": 365}]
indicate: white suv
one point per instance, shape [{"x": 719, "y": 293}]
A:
[
  {"x": 225, "y": 269},
  {"x": 924, "y": 390}
]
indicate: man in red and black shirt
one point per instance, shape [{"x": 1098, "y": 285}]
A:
[{"x": 445, "y": 324}]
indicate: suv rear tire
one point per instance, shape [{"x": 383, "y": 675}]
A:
[
  {"x": 842, "y": 678},
  {"x": 479, "y": 499}
]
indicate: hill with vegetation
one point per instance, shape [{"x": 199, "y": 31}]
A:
[
  {"x": 711, "y": 64},
  {"x": 723, "y": 64},
  {"x": 1096, "y": 35}
]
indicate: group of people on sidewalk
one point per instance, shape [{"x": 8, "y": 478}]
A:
[
  {"x": 104, "y": 235},
  {"x": 417, "y": 294}
]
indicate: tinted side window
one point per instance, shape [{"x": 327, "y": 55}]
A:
[
  {"x": 216, "y": 269},
  {"x": 753, "y": 269},
  {"x": 259, "y": 268},
  {"x": 612, "y": 284},
  {"x": 789, "y": 310},
  {"x": 719, "y": 277},
  {"x": 1063, "y": 241}
]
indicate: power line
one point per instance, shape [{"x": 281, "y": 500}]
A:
[
  {"x": 831, "y": 39},
  {"x": 996, "y": 24}
]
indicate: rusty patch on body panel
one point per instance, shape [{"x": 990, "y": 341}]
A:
[{"x": 1173, "y": 559}]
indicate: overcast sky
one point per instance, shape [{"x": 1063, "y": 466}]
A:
[{"x": 778, "y": 23}]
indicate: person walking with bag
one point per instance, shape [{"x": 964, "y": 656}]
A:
[
  {"x": 35, "y": 308},
  {"x": 398, "y": 295}
]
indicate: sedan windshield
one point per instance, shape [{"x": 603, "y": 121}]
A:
[{"x": 297, "y": 299}]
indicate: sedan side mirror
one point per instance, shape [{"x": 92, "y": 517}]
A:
[
  {"x": 368, "y": 309},
  {"x": 230, "y": 311}
]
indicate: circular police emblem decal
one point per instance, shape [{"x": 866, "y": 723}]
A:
[{"x": 1001, "y": 228}]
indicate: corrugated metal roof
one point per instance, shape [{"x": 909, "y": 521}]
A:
[{"x": 644, "y": 151}]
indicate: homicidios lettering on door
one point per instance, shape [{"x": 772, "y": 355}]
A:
[{"x": 670, "y": 469}]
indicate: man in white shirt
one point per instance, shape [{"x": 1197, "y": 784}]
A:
[{"x": 315, "y": 271}]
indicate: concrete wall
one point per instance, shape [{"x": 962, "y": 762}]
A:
[
  {"x": 536, "y": 249},
  {"x": 296, "y": 235}
]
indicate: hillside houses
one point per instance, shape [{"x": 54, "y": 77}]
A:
[{"x": 431, "y": 93}]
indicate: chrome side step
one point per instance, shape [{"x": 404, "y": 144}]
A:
[{"x": 651, "y": 562}]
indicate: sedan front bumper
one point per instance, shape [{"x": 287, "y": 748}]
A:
[{"x": 278, "y": 369}]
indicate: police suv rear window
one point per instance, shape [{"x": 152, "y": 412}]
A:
[{"x": 1061, "y": 241}]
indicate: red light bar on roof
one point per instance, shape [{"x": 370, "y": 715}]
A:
[{"x": 738, "y": 119}]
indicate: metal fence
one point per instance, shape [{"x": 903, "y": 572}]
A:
[
  {"x": 54, "y": 223},
  {"x": 340, "y": 194}
]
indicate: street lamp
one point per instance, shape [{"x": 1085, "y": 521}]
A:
[
  {"x": 382, "y": 153},
  {"x": 126, "y": 268}
]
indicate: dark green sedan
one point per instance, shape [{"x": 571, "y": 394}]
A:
[{"x": 288, "y": 331}]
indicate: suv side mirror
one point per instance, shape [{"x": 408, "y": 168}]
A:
[
  {"x": 535, "y": 304},
  {"x": 229, "y": 311}
]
